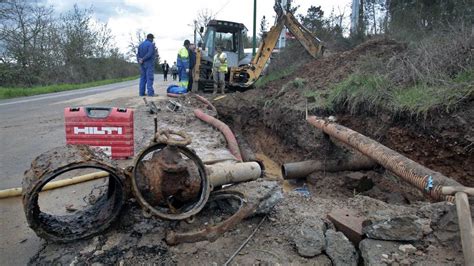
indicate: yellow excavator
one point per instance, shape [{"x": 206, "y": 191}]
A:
[{"x": 243, "y": 71}]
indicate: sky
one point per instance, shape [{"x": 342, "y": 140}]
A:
[{"x": 171, "y": 22}]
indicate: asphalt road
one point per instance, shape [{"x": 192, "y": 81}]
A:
[{"x": 32, "y": 125}]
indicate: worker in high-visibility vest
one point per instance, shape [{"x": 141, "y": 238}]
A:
[
  {"x": 183, "y": 65},
  {"x": 219, "y": 69}
]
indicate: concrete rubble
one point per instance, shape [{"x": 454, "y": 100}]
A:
[
  {"x": 401, "y": 228},
  {"x": 309, "y": 238},
  {"x": 340, "y": 249}
]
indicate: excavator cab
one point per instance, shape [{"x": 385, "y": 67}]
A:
[
  {"x": 228, "y": 35},
  {"x": 243, "y": 73}
]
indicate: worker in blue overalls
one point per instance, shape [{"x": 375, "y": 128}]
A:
[
  {"x": 183, "y": 65},
  {"x": 146, "y": 59}
]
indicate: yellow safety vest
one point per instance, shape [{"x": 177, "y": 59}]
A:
[
  {"x": 218, "y": 62},
  {"x": 183, "y": 53}
]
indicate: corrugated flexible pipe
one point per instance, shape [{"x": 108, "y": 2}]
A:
[{"x": 426, "y": 180}]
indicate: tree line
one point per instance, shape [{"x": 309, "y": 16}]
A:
[
  {"x": 408, "y": 20},
  {"x": 39, "y": 47}
]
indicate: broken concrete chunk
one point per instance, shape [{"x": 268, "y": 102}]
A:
[
  {"x": 407, "y": 248},
  {"x": 266, "y": 194},
  {"x": 401, "y": 228},
  {"x": 321, "y": 260},
  {"x": 340, "y": 249},
  {"x": 309, "y": 238},
  {"x": 444, "y": 222},
  {"x": 373, "y": 252}
]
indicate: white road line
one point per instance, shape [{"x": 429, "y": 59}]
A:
[{"x": 60, "y": 95}]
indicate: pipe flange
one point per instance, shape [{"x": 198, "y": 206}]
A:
[
  {"x": 81, "y": 224},
  {"x": 172, "y": 213}
]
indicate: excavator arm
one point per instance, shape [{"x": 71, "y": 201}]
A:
[{"x": 245, "y": 76}]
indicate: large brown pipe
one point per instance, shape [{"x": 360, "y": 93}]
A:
[
  {"x": 305, "y": 168},
  {"x": 424, "y": 179},
  {"x": 229, "y": 136}
]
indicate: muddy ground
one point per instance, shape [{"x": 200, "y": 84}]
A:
[{"x": 273, "y": 124}]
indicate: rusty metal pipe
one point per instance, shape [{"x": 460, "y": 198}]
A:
[
  {"x": 227, "y": 173},
  {"x": 426, "y": 180},
  {"x": 81, "y": 224},
  {"x": 303, "y": 169}
]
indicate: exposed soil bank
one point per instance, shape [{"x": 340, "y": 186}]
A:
[{"x": 273, "y": 119}]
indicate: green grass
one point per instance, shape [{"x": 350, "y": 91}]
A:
[
  {"x": 420, "y": 99},
  {"x": 264, "y": 80},
  {"x": 465, "y": 76},
  {"x": 360, "y": 93},
  {"x": 7, "y": 92}
]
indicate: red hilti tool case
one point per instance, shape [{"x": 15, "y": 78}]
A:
[{"x": 107, "y": 128}]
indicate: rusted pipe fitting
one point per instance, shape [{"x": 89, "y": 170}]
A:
[
  {"x": 170, "y": 181},
  {"x": 81, "y": 224},
  {"x": 227, "y": 173},
  {"x": 305, "y": 168},
  {"x": 229, "y": 136},
  {"x": 426, "y": 180}
]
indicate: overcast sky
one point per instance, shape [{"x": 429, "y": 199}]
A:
[{"x": 171, "y": 21}]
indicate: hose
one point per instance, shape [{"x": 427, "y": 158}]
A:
[
  {"x": 229, "y": 136},
  {"x": 206, "y": 101},
  {"x": 15, "y": 192},
  {"x": 174, "y": 95}
]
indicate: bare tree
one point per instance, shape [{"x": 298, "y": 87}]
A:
[
  {"x": 23, "y": 35},
  {"x": 38, "y": 46},
  {"x": 134, "y": 42},
  {"x": 203, "y": 18}
]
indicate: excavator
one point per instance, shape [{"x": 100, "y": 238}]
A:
[{"x": 244, "y": 71}]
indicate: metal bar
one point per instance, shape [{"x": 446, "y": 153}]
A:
[
  {"x": 245, "y": 242},
  {"x": 465, "y": 227}
]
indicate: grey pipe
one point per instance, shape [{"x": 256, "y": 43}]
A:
[
  {"x": 227, "y": 173},
  {"x": 305, "y": 168}
]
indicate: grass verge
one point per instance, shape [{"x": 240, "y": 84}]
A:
[
  {"x": 374, "y": 92},
  {"x": 7, "y": 92}
]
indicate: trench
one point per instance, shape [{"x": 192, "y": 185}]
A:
[{"x": 281, "y": 135}]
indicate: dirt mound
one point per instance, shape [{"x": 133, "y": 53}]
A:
[{"x": 336, "y": 67}]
